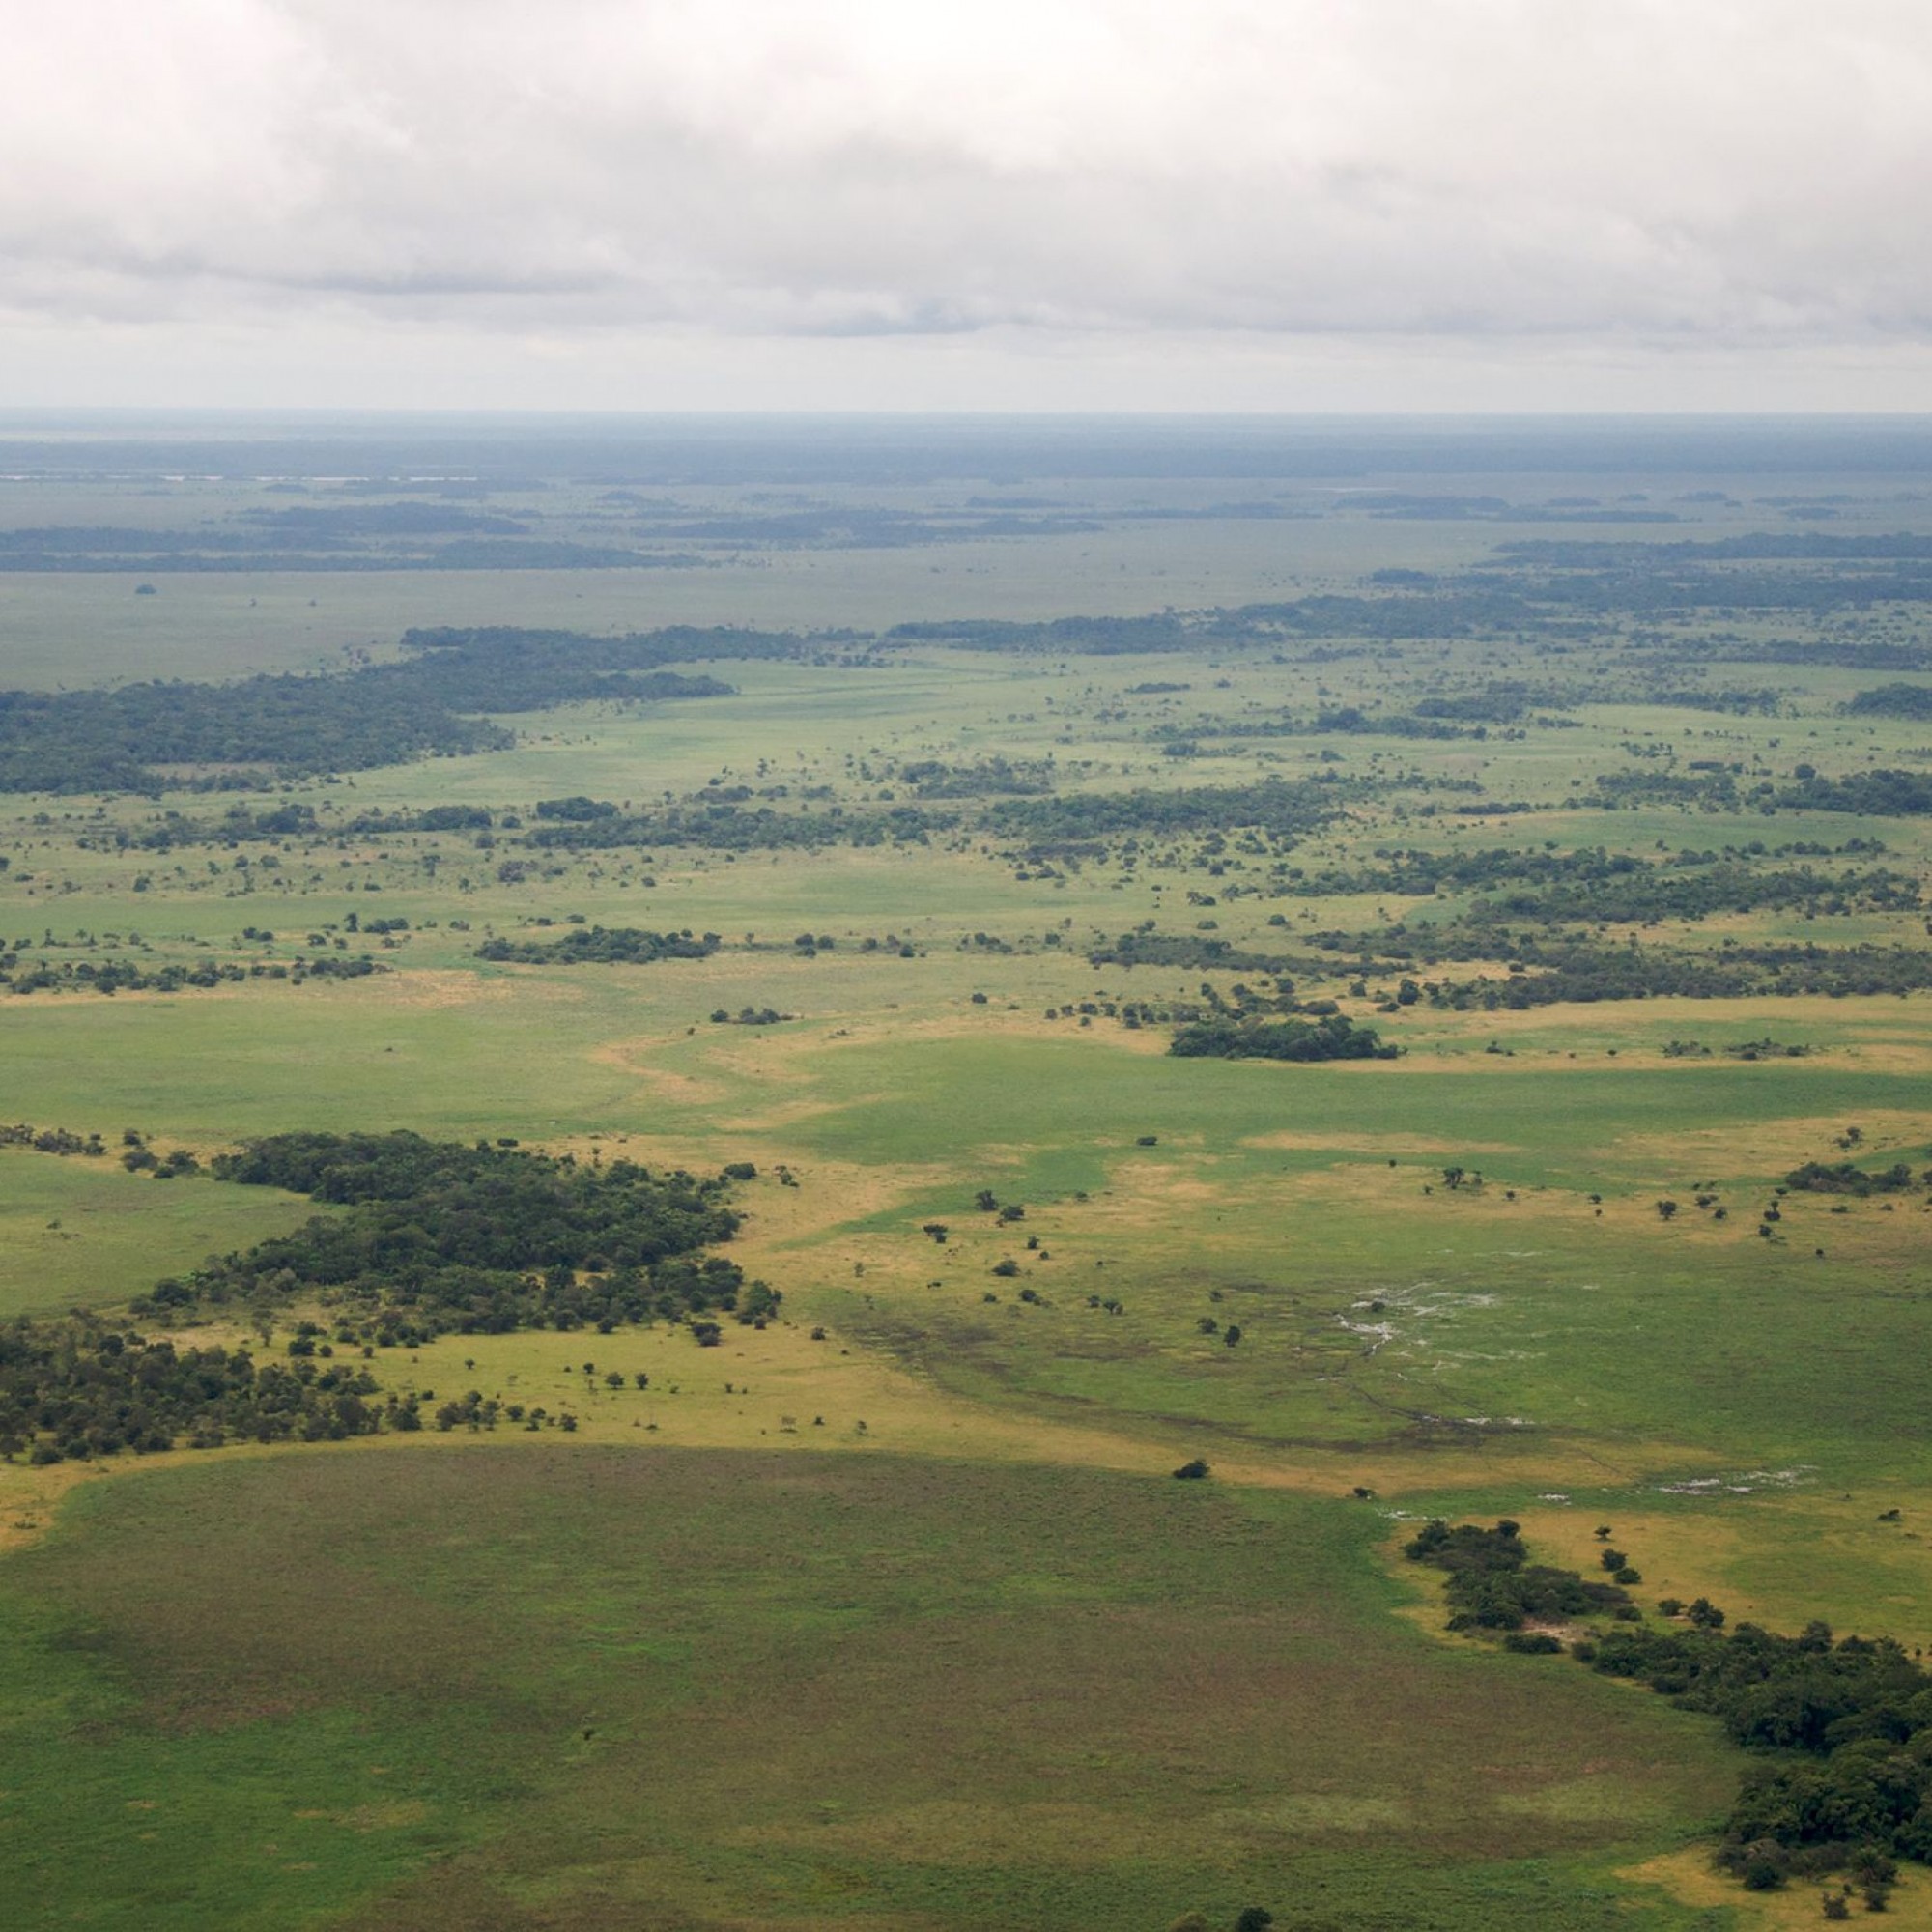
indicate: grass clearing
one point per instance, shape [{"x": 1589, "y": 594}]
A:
[
  {"x": 717, "y": 1689},
  {"x": 80, "y": 1232}
]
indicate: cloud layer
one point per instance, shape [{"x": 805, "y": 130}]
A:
[{"x": 1748, "y": 172}]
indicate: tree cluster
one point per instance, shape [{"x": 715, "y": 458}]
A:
[
  {"x": 602, "y": 946},
  {"x": 1239, "y": 1037},
  {"x": 1844, "y": 1176},
  {"x": 1893, "y": 701},
  {"x": 1875, "y": 794},
  {"x": 290, "y": 726},
  {"x": 82, "y": 1388},
  {"x": 1493, "y": 1585},
  {"x": 436, "y": 1237}
]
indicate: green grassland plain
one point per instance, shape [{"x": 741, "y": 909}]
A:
[{"x": 909, "y": 1628}]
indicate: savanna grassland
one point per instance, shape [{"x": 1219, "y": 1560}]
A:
[{"x": 936, "y": 977}]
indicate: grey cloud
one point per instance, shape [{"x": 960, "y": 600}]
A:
[{"x": 1739, "y": 168}]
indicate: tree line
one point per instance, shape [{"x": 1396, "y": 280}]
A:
[
  {"x": 1583, "y": 972},
  {"x": 1841, "y": 1727},
  {"x": 1232, "y": 1037},
  {"x": 288, "y": 727},
  {"x": 20, "y": 974}
]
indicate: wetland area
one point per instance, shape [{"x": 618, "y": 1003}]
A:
[{"x": 658, "y": 1074}]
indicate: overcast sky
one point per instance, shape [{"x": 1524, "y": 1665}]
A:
[{"x": 929, "y": 204}]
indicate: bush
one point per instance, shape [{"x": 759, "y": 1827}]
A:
[{"x": 1532, "y": 1643}]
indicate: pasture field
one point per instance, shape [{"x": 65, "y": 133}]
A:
[
  {"x": 568, "y": 1687},
  {"x": 888, "y": 1611}
]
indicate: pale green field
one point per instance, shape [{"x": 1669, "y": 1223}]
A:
[{"x": 78, "y": 1232}]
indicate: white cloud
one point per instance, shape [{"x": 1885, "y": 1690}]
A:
[{"x": 1717, "y": 172}]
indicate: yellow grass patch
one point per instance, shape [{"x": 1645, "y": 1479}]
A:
[
  {"x": 30, "y": 1496},
  {"x": 1776, "y": 1145},
  {"x": 630, "y": 1057},
  {"x": 789, "y": 1391},
  {"x": 1687, "y": 1877},
  {"x": 425, "y": 989},
  {"x": 784, "y": 1389},
  {"x": 1780, "y": 1561}
]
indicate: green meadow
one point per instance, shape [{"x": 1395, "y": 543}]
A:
[
  {"x": 73, "y": 1235},
  {"x": 577, "y": 1687}
]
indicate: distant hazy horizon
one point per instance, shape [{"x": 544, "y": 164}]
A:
[{"x": 784, "y": 447}]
